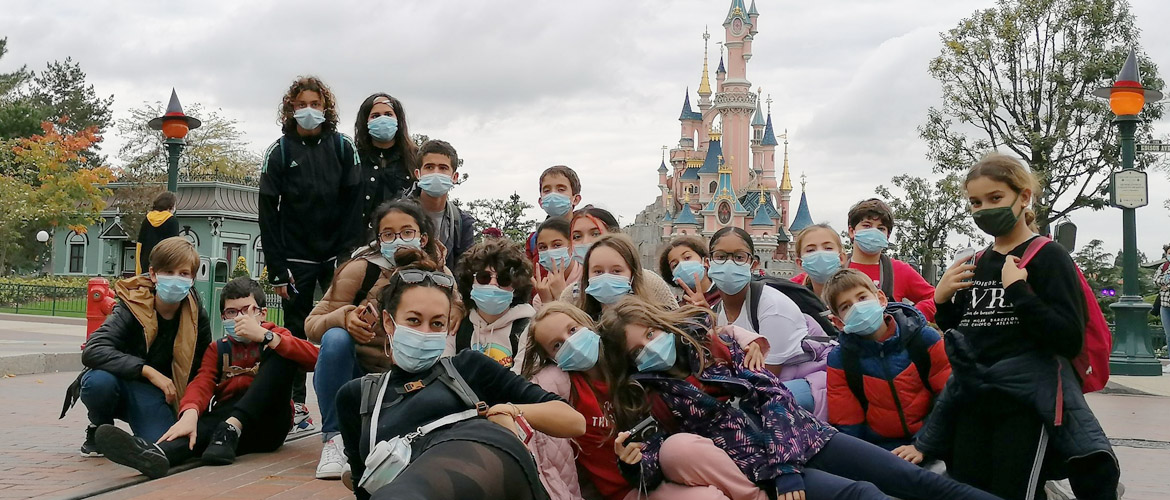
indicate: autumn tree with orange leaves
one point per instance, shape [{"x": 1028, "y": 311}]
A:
[{"x": 46, "y": 182}]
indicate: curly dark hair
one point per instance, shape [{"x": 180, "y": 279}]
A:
[
  {"x": 284, "y": 113},
  {"x": 695, "y": 243},
  {"x": 402, "y": 141},
  {"x": 503, "y": 256}
]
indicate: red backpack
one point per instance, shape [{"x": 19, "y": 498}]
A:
[{"x": 1092, "y": 363}]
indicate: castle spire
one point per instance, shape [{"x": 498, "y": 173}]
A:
[
  {"x": 758, "y": 118},
  {"x": 705, "y": 83},
  {"x": 785, "y": 179},
  {"x": 769, "y": 135}
]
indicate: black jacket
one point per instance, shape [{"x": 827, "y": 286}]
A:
[
  {"x": 119, "y": 345},
  {"x": 151, "y": 234},
  {"x": 309, "y": 206},
  {"x": 385, "y": 177}
]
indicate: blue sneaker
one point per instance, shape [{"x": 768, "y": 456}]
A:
[{"x": 302, "y": 422}]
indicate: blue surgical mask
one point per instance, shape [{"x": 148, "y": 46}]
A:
[
  {"x": 172, "y": 289},
  {"x": 871, "y": 240},
  {"x": 383, "y": 128},
  {"x": 865, "y": 318},
  {"x": 821, "y": 265},
  {"x": 436, "y": 184},
  {"x": 389, "y": 247},
  {"x": 579, "y": 251},
  {"x": 608, "y": 288},
  {"x": 658, "y": 355},
  {"x": 415, "y": 351},
  {"x": 729, "y": 276},
  {"x": 579, "y": 353},
  {"x": 491, "y": 299},
  {"x": 309, "y": 118},
  {"x": 560, "y": 256},
  {"x": 556, "y": 204},
  {"x": 686, "y": 271},
  {"x": 229, "y": 329}
]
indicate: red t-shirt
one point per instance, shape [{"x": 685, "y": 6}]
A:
[
  {"x": 908, "y": 284},
  {"x": 597, "y": 456}
]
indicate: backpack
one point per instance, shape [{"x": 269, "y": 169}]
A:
[
  {"x": 885, "y": 275},
  {"x": 223, "y": 350},
  {"x": 804, "y": 298},
  {"x": 444, "y": 371},
  {"x": 463, "y": 336},
  {"x": 340, "y": 144},
  {"x": 1092, "y": 363},
  {"x": 919, "y": 355}
]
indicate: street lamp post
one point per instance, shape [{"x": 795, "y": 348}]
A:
[
  {"x": 174, "y": 125},
  {"x": 1132, "y": 353}
]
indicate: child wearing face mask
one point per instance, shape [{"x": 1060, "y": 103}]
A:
[
  {"x": 820, "y": 254},
  {"x": 870, "y": 224},
  {"x": 495, "y": 280},
  {"x": 560, "y": 192},
  {"x": 612, "y": 271},
  {"x": 140, "y": 361},
  {"x": 889, "y": 367},
  {"x": 1013, "y": 414},
  {"x": 387, "y": 153},
  {"x": 693, "y": 378},
  {"x": 564, "y": 358},
  {"x": 556, "y": 266},
  {"x": 686, "y": 260},
  {"x": 249, "y": 372},
  {"x": 437, "y": 171}
]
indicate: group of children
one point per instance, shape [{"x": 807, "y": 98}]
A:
[{"x": 560, "y": 367}]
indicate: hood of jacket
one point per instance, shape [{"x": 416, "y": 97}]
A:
[
  {"x": 505, "y": 321},
  {"x": 156, "y": 218},
  {"x": 909, "y": 322},
  {"x": 138, "y": 295}
]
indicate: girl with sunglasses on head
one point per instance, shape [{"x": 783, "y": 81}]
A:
[
  {"x": 564, "y": 358},
  {"x": 495, "y": 279},
  {"x": 590, "y": 224},
  {"x": 612, "y": 271},
  {"x": 692, "y": 378},
  {"x": 345, "y": 323},
  {"x": 557, "y": 267},
  {"x": 480, "y": 454}
]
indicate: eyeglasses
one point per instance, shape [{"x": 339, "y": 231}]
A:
[
  {"x": 741, "y": 258},
  {"x": 413, "y": 276},
  {"x": 485, "y": 277},
  {"x": 406, "y": 234},
  {"x": 232, "y": 313}
]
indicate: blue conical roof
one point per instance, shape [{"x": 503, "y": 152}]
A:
[
  {"x": 686, "y": 216},
  {"x": 688, "y": 113},
  {"x": 732, "y": 13},
  {"x": 803, "y": 218},
  {"x": 752, "y": 10},
  {"x": 721, "y": 68},
  {"x": 711, "y": 163},
  {"x": 662, "y": 168},
  {"x": 758, "y": 119},
  {"x": 761, "y": 218},
  {"x": 667, "y": 218},
  {"x": 769, "y": 135}
]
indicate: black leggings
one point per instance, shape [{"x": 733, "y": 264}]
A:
[
  {"x": 264, "y": 410},
  {"x": 848, "y": 468},
  {"x": 307, "y": 278},
  {"x": 458, "y": 470}
]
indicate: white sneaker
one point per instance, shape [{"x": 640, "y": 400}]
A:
[
  {"x": 333, "y": 462},
  {"x": 302, "y": 422}
]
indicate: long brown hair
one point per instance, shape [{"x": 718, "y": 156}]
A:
[
  {"x": 628, "y": 396},
  {"x": 1003, "y": 168},
  {"x": 535, "y": 359},
  {"x": 285, "y": 113},
  {"x": 695, "y": 243},
  {"x": 624, "y": 246},
  {"x": 402, "y": 141}
]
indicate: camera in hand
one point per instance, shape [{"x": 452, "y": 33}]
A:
[{"x": 641, "y": 432}]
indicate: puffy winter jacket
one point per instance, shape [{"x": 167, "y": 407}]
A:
[
  {"x": 555, "y": 456},
  {"x": 898, "y": 400}
]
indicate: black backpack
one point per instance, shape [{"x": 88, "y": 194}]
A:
[
  {"x": 805, "y": 299},
  {"x": 919, "y": 355},
  {"x": 885, "y": 275},
  {"x": 443, "y": 371}
]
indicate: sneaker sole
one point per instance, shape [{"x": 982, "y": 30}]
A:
[
  {"x": 119, "y": 447},
  {"x": 214, "y": 459},
  {"x": 90, "y": 454},
  {"x": 329, "y": 475}
]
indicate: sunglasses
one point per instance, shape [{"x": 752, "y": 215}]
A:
[
  {"x": 485, "y": 278},
  {"x": 413, "y": 276}
]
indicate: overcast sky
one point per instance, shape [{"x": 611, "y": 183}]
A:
[{"x": 517, "y": 86}]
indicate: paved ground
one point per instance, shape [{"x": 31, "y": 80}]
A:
[{"x": 25, "y": 337}]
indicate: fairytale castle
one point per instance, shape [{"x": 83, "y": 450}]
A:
[{"x": 723, "y": 172}]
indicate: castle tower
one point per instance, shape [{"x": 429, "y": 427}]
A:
[
  {"x": 724, "y": 209},
  {"x": 690, "y": 122},
  {"x": 785, "y": 187},
  {"x": 708, "y": 174},
  {"x": 705, "y": 93},
  {"x": 803, "y": 217},
  {"x": 735, "y": 101}
]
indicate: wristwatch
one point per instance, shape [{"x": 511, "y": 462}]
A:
[{"x": 268, "y": 336}]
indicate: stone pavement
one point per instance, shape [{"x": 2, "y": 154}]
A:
[{"x": 32, "y": 344}]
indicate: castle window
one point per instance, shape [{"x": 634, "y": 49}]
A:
[{"x": 713, "y": 186}]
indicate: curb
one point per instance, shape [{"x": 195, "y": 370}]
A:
[
  {"x": 31, "y": 364},
  {"x": 34, "y": 318}
]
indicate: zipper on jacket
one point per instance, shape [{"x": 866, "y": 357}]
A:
[{"x": 894, "y": 392}]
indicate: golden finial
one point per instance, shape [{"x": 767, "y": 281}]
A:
[
  {"x": 705, "y": 83},
  {"x": 785, "y": 179}
]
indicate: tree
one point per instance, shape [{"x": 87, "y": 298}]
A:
[
  {"x": 1018, "y": 78},
  {"x": 216, "y": 147},
  {"x": 10, "y": 81},
  {"x": 1101, "y": 271},
  {"x": 928, "y": 214},
  {"x": 47, "y": 183},
  {"x": 241, "y": 269},
  {"x": 505, "y": 214},
  {"x": 18, "y": 116},
  {"x": 61, "y": 90}
]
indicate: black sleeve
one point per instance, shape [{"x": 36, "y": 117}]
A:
[
  {"x": 349, "y": 423},
  {"x": 202, "y": 340},
  {"x": 271, "y": 187},
  {"x": 948, "y": 314},
  {"x": 1051, "y": 302},
  {"x": 106, "y": 348},
  {"x": 169, "y": 229},
  {"x": 351, "y": 193},
  {"x": 467, "y": 233},
  {"x": 495, "y": 384}
]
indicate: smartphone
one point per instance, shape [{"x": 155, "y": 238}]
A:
[
  {"x": 368, "y": 314},
  {"x": 966, "y": 256},
  {"x": 641, "y": 432}
]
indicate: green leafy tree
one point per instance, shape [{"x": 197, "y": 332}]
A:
[
  {"x": 61, "y": 90},
  {"x": 18, "y": 116},
  {"x": 216, "y": 147},
  {"x": 507, "y": 214},
  {"x": 1018, "y": 78},
  {"x": 1102, "y": 271},
  {"x": 930, "y": 215}
]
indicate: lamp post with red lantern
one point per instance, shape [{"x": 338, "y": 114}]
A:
[
  {"x": 1132, "y": 353},
  {"x": 174, "y": 125}
]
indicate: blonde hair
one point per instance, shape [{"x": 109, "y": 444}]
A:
[
  {"x": 174, "y": 254},
  {"x": 624, "y": 246},
  {"x": 1008, "y": 170},
  {"x": 815, "y": 227},
  {"x": 535, "y": 359},
  {"x": 843, "y": 281}
]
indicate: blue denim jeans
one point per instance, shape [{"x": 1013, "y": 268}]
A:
[
  {"x": 1166, "y": 324},
  {"x": 141, "y": 404},
  {"x": 336, "y": 365}
]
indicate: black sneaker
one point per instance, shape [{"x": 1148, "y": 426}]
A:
[
  {"x": 222, "y": 450},
  {"x": 89, "y": 447},
  {"x": 124, "y": 448}
]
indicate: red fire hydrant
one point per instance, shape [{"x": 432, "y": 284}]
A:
[{"x": 99, "y": 304}]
